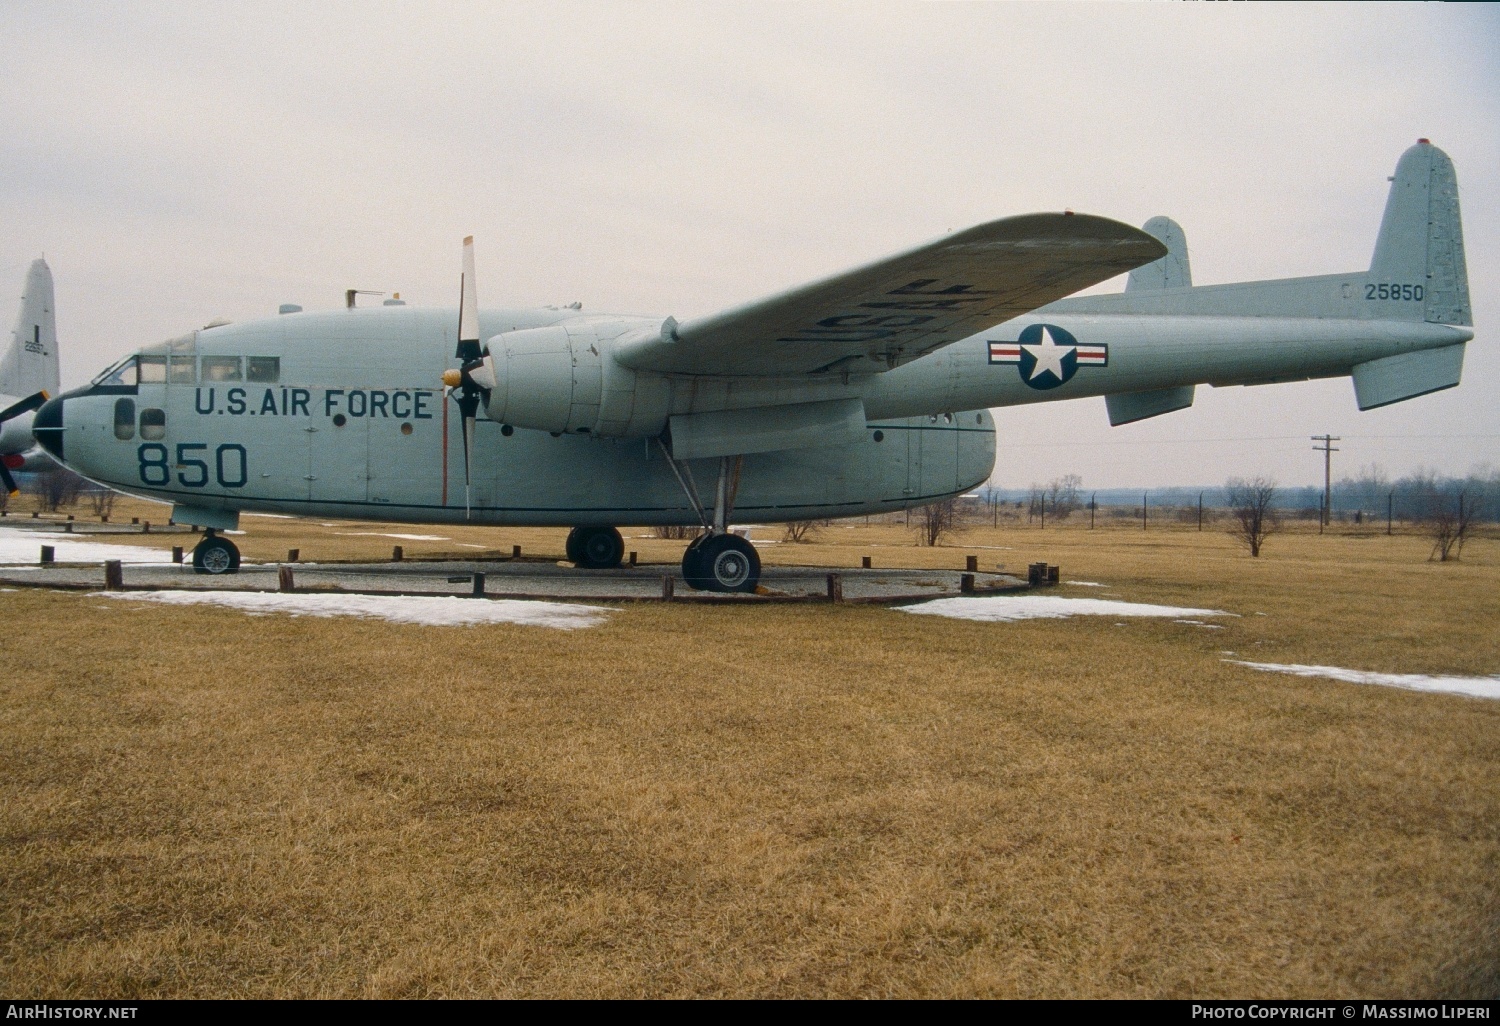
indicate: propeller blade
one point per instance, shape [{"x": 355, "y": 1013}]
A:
[
  {"x": 10, "y": 482},
  {"x": 468, "y": 308},
  {"x": 31, "y": 402}
]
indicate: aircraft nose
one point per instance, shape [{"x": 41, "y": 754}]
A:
[{"x": 47, "y": 427}]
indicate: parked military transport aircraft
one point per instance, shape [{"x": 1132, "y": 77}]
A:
[
  {"x": 861, "y": 393},
  {"x": 28, "y": 375}
]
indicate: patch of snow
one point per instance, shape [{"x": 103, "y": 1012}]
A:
[
  {"x": 1008, "y": 608},
  {"x": 383, "y": 534},
  {"x": 469, "y": 545},
  {"x": 19, "y": 546},
  {"x": 428, "y": 610},
  {"x": 1475, "y": 687},
  {"x": 273, "y": 516},
  {"x": 1087, "y": 584},
  {"x": 1200, "y": 623}
]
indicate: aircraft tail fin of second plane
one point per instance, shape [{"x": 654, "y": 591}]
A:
[
  {"x": 29, "y": 362},
  {"x": 1421, "y": 243},
  {"x": 1171, "y": 271}
]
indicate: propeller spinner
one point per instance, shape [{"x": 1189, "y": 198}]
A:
[{"x": 27, "y": 405}]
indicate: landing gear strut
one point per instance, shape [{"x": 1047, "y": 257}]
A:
[
  {"x": 215, "y": 555},
  {"x": 716, "y": 560},
  {"x": 595, "y": 548}
]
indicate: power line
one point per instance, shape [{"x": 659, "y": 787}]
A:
[{"x": 1018, "y": 444}]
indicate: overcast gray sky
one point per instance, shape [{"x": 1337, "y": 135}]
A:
[{"x": 180, "y": 162}]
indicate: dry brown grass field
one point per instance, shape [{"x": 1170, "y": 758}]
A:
[{"x": 766, "y": 800}]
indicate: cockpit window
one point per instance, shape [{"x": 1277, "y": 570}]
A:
[
  {"x": 265, "y": 369},
  {"x": 221, "y": 368},
  {"x": 122, "y": 373},
  {"x": 153, "y": 369},
  {"x": 180, "y": 370}
]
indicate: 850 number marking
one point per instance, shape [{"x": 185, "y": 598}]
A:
[
  {"x": 1391, "y": 290},
  {"x": 231, "y": 467}
]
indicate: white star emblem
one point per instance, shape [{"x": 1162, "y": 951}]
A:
[{"x": 1048, "y": 355}]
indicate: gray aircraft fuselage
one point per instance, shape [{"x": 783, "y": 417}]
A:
[{"x": 347, "y": 422}]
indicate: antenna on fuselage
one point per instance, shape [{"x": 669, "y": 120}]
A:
[{"x": 349, "y": 295}]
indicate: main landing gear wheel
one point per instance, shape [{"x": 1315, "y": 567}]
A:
[
  {"x": 215, "y": 555},
  {"x": 595, "y": 548},
  {"x": 721, "y": 562},
  {"x": 693, "y": 572}
]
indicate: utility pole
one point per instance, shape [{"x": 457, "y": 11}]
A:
[
  {"x": 1093, "y": 506},
  {"x": 1327, "y": 450},
  {"x": 1143, "y": 511}
]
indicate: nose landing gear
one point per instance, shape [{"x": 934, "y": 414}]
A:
[{"x": 215, "y": 555}]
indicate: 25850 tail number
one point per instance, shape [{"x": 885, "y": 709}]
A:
[{"x": 1391, "y": 290}]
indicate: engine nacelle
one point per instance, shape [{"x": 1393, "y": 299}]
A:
[{"x": 563, "y": 378}]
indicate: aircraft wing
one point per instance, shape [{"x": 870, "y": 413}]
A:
[{"x": 895, "y": 310}]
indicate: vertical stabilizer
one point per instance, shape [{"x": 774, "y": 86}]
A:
[
  {"x": 1171, "y": 271},
  {"x": 1418, "y": 270},
  {"x": 29, "y": 363}
]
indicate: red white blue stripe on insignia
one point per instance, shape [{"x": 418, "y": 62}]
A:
[{"x": 1088, "y": 355}]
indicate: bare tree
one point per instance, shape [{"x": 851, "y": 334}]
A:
[
  {"x": 1062, "y": 495},
  {"x": 676, "y": 532},
  {"x": 56, "y": 488},
  {"x": 1253, "y": 517},
  {"x": 937, "y": 519},
  {"x": 1448, "y": 522},
  {"x": 799, "y": 531},
  {"x": 101, "y": 500},
  {"x": 1036, "y": 502}
]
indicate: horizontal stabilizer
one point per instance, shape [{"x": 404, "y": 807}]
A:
[
  {"x": 767, "y": 429},
  {"x": 1397, "y": 378},
  {"x": 1129, "y": 407}
]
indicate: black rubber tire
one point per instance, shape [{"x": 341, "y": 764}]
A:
[
  {"x": 216, "y": 555},
  {"x": 595, "y": 548},
  {"x": 727, "y": 562},
  {"x": 693, "y": 574}
]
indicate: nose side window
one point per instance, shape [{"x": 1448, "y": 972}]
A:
[
  {"x": 124, "y": 419},
  {"x": 153, "y": 424}
]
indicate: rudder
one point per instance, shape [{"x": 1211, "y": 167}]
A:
[
  {"x": 1171, "y": 271},
  {"x": 1418, "y": 270},
  {"x": 29, "y": 363}
]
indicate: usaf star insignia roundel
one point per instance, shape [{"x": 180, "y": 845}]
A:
[{"x": 1048, "y": 356}]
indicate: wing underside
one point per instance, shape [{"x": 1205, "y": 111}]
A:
[{"x": 896, "y": 310}]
